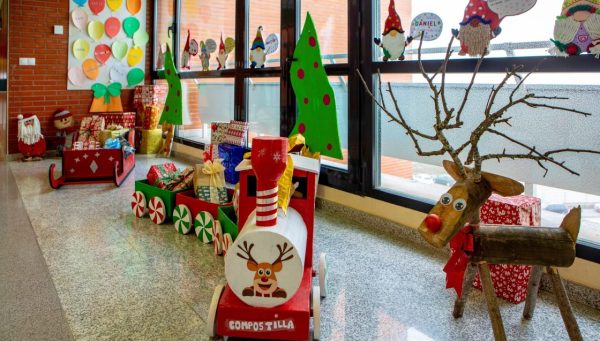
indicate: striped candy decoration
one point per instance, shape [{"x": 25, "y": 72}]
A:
[
  {"x": 182, "y": 218},
  {"x": 227, "y": 242},
  {"x": 218, "y": 238},
  {"x": 157, "y": 210},
  {"x": 138, "y": 204},
  {"x": 204, "y": 224}
]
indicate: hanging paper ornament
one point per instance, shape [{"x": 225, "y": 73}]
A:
[
  {"x": 97, "y": 6},
  {"x": 91, "y": 68},
  {"x": 130, "y": 26},
  {"x": 393, "y": 41},
  {"x": 429, "y": 25},
  {"x": 118, "y": 73},
  {"x": 317, "y": 115},
  {"x": 80, "y": 18},
  {"x": 506, "y": 8},
  {"x": 106, "y": 92},
  {"x": 102, "y": 53},
  {"x": 80, "y": 2},
  {"x": 134, "y": 77},
  {"x": 134, "y": 56},
  {"x": 119, "y": 49},
  {"x": 114, "y": 5},
  {"x": 81, "y": 48},
  {"x": 134, "y": 6},
  {"x": 271, "y": 44},
  {"x": 112, "y": 26},
  {"x": 96, "y": 30},
  {"x": 76, "y": 76},
  {"x": 140, "y": 38}
]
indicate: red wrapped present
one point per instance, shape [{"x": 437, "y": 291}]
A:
[
  {"x": 161, "y": 175},
  {"x": 237, "y": 132},
  {"x": 125, "y": 119},
  {"x": 218, "y": 131},
  {"x": 145, "y": 95},
  {"x": 90, "y": 128},
  {"x": 510, "y": 281}
]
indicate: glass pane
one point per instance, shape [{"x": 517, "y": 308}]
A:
[
  {"x": 340, "y": 88},
  {"x": 207, "y": 20},
  {"x": 531, "y": 30},
  {"x": 205, "y": 101},
  {"x": 265, "y": 14},
  {"x": 331, "y": 20},
  {"x": 164, "y": 18},
  {"x": 264, "y": 108}
]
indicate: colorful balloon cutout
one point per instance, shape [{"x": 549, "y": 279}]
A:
[
  {"x": 134, "y": 6},
  {"x": 506, "y": 8},
  {"x": 81, "y": 48},
  {"x": 140, "y": 38},
  {"x": 102, "y": 53},
  {"x": 114, "y": 5},
  {"x": 135, "y": 56},
  {"x": 119, "y": 49},
  {"x": 130, "y": 26},
  {"x": 97, "y": 6},
  {"x": 80, "y": 18},
  {"x": 80, "y": 2},
  {"x": 91, "y": 68},
  {"x": 112, "y": 26},
  {"x": 134, "y": 77},
  {"x": 76, "y": 76},
  {"x": 118, "y": 73},
  {"x": 96, "y": 30}
]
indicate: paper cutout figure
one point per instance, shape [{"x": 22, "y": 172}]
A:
[
  {"x": 80, "y": 18},
  {"x": 106, "y": 98},
  {"x": 507, "y": 8},
  {"x": 190, "y": 49},
  {"x": 317, "y": 115},
  {"x": 392, "y": 40},
  {"x": 140, "y": 38},
  {"x": 102, "y": 53},
  {"x": 134, "y": 56},
  {"x": 114, "y": 5},
  {"x": 160, "y": 58},
  {"x": 112, "y": 26},
  {"x": 134, "y": 6},
  {"x": 225, "y": 49},
  {"x": 130, "y": 26},
  {"x": 96, "y": 30},
  {"x": 31, "y": 142},
  {"x": 80, "y": 2},
  {"x": 76, "y": 75},
  {"x": 577, "y": 29},
  {"x": 119, "y": 73},
  {"x": 205, "y": 50},
  {"x": 134, "y": 77},
  {"x": 427, "y": 25},
  {"x": 96, "y": 6},
  {"x": 81, "y": 48},
  {"x": 173, "y": 111},
  {"x": 119, "y": 49},
  {"x": 259, "y": 52},
  {"x": 91, "y": 68}
]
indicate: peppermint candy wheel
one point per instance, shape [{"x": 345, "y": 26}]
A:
[
  {"x": 182, "y": 219},
  {"x": 204, "y": 224},
  {"x": 218, "y": 238},
  {"x": 138, "y": 204},
  {"x": 227, "y": 242},
  {"x": 156, "y": 208}
]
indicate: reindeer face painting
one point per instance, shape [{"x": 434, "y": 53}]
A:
[{"x": 265, "y": 278}]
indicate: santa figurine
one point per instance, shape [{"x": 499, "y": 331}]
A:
[
  {"x": 190, "y": 49},
  {"x": 64, "y": 124},
  {"x": 31, "y": 142},
  {"x": 257, "y": 51},
  {"x": 392, "y": 40},
  {"x": 577, "y": 30},
  {"x": 479, "y": 26},
  {"x": 222, "y": 56}
]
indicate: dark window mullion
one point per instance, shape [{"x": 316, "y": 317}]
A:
[
  {"x": 241, "y": 38},
  {"x": 289, "y": 23},
  {"x": 175, "y": 33}
]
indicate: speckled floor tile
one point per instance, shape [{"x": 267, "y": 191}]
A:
[{"x": 122, "y": 278}]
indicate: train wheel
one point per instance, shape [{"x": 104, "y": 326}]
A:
[
  {"x": 182, "y": 218},
  {"x": 227, "y": 242},
  {"x": 316, "y": 307},
  {"x": 204, "y": 224},
  {"x": 211, "y": 324},
  {"x": 138, "y": 204},
  {"x": 156, "y": 207},
  {"x": 218, "y": 238},
  {"x": 323, "y": 274}
]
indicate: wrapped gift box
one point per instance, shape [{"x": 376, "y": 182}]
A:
[
  {"x": 90, "y": 129},
  {"x": 145, "y": 95},
  {"x": 218, "y": 131},
  {"x": 124, "y": 119},
  {"x": 111, "y": 134},
  {"x": 160, "y": 175},
  {"x": 151, "y": 117},
  {"x": 237, "y": 133},
  {"x": 86, "y": 145},
  {"x": 510, "y": 281},
  {"x": 151, "y": 141},
  {"x": 231, "y": 155}
]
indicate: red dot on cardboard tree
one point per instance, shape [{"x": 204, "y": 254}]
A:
[
  {"x": 166, "y": 108},
  {"x": 168, "y": 72},
  {"x": 329, "y": 146},
  {"x": 326, "y": 99},
  {"x": 302, "y": 128},
  {"x": 178, "y": 93},
  {"x": 316, "y": 65},
  {"x": 305, "y": 100},
  {"x": 312, "y": 41},
  {"x": 301, "y": 73}
]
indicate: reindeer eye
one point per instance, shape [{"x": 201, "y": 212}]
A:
[
  {"x": 460, "y": 204},
  {"x": 446, "y": 199},
  {"x": 268, "y": 272},
  {"x": 261, "y": 272}
]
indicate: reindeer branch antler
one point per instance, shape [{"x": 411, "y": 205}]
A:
[
  {"x": 282, "y": 252},
  {"x": 248, "y": 251}
]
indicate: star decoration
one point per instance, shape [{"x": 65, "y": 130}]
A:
[
  {"x": 97, "y": 154},
  {"x": 72, "y": 170},
  {"x": 77, "y": 160},
  {"x": 85, "y": 156},
  {"x": 111, "y": 159}
]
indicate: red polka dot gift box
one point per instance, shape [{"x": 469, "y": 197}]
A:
[{"x": 510, "y": 281}]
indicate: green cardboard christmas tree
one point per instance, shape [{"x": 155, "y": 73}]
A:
[
  {"x": 173, "y": 111},
  {"x": 317, "y": 118}
]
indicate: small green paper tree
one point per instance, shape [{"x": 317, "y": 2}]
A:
[
  {"x": 173, "y": 111},
  {"x": 317, "y": 118}
]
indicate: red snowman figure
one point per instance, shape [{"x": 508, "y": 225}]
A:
[{"x": 31, "y": 141}]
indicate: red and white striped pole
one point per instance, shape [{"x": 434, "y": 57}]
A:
[{"x": 269, "y": 158}]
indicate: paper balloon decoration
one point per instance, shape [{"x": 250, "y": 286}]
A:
[
  {"x": 119, "y": 49},
  {"x": 506, "y": 8},
  {"x": 112, "y": 26},
  {"x": 135, "y": 56},
  {"x": 429, "y": 25},
  {"x": 134, "y": 6},
  {"x": 130, "y": 26},
  {"x": 118, "y": 73},
  {"x": 134, "y": 77},
  {"x": 80, "y": 18},
  {"x": 102, "y": 53},
  {"x": 91, "y": 68},
  {"x": 80, "y": 2},
  {"x": 97, "y": 6},
  {"x": 114, "y": 5},
  {"x": 81, "y": 48},
  {"x": 76, "y": 76},
  {"x": 140, "y": 38},
  {"x": 96, "y": 30}
]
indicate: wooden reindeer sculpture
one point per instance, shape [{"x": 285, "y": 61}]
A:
[{"x": 455, "y": 218}]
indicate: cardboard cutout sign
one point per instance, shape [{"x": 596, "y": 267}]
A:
[
  {"x": 112, "y": 26},
  {"x": 106, "y": 98},
  {"x": 81, "y": 48},
  {"x": 80, "y": 18},
  {"x": 91, "y": 68},
  {"x": 506, "y": 8},
  {"x": 272, "y": 43},
  {"x": 80, "y": 2},
  {"x": 134, "y": 56},
  {"x": 140, "y": 38},
  {"x": 96, "y": 30},
  {"x": 130, "y": 26},
  {"x": 119, "y": 49},
  {"x": 118, "y": 73},
  {"x": 134, "y": 77},
  {"x": 428, "y": 25},
  {"x": 97, "y": 6},
  {"x": 102, "y": 53},
  {"x": 76, "y": 76},
  {"x": 114, "y": 5},
  {"x": 134, "y": 6}
]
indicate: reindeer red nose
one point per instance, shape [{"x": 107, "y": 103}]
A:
[
  {"x": 433, "y": 223},
  {"x": 264, "y": 279}
]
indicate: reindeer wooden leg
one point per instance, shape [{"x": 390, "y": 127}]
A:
[
  {"x": 459, "y": 304},
  {"x": 532, "y": 291},
  {"x": 490, "y": 297},
  {"x": 564, "y": 305}
]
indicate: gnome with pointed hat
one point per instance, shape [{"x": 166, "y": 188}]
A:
[
  {"x": 392, "y": 40},
  {"x": 479, "y": 26},
  {"x": 225, "y": 49},
  {"x": 204, "y": 56},
  {"x": 190, "y": 49},
  {"x": 257, "y": 51},
  {"x": 577, "y": 29}
]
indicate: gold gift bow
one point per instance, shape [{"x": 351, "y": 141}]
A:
[{"x": 214, "y": 170}]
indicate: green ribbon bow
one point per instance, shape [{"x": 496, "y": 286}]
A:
[{"x": 101, "y": 90}]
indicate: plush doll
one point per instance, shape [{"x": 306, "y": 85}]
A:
[
  {"x": 64, "y": 124},
  {"x": 31, "y": 141}
]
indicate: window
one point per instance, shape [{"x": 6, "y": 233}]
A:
[
  {"x": 331, "y": 20},
  {"x": 263, "y": 107},
  {"x": 266, "y": 15}
]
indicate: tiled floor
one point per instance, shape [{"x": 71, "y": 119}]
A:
[{"x": 119, "y": 278}]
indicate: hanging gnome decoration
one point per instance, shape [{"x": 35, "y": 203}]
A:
[
  {"x": 205, "y": 50},
  {"x": 63, "y": 122},
  {"x": 31, "y": 141},
  {"x": 190, "y": 49},
  {"x": 260, "y": 50},
  {"x": 577, "y": 29},
  {"x": 479, "y": 26},
  {"x": 392, "y": 40},
  {"x": 225, "y": 49}
]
